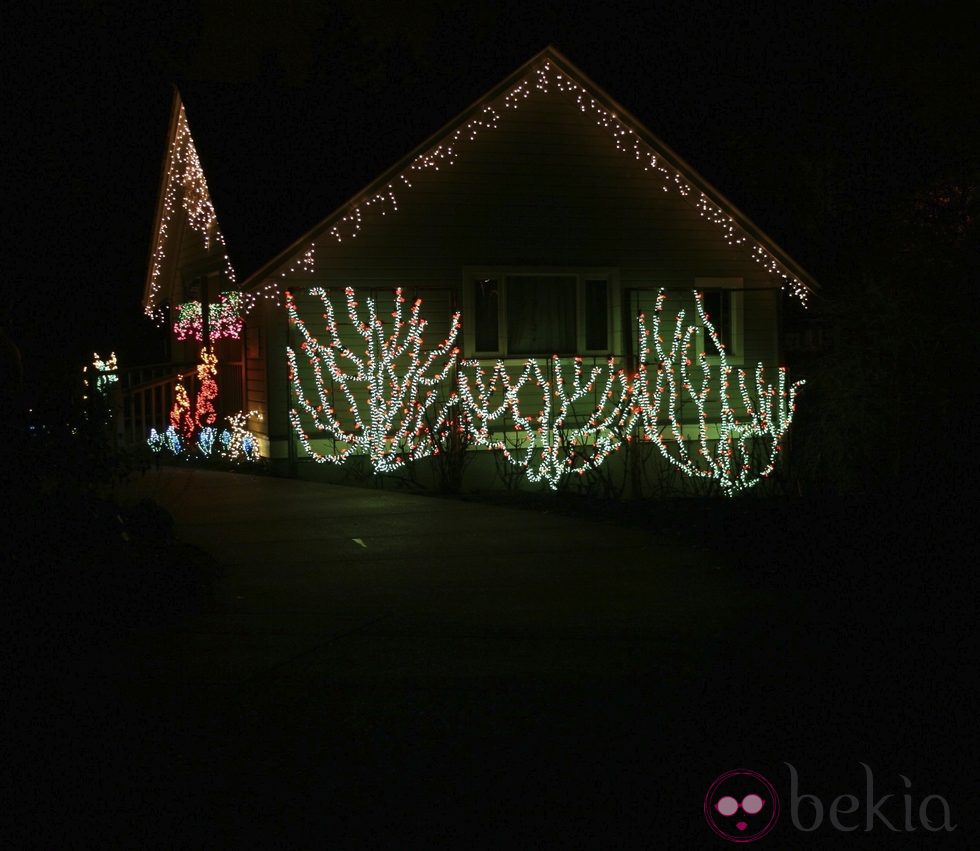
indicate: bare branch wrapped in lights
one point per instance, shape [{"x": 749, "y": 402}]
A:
[
  {"x": 557, "y": 441},
  {"x": 397, "y": 375},
  {"x": 732, "y": 462}
]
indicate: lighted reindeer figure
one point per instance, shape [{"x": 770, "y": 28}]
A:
[
  {"x": 555, "y": 441},
  {"x": 388, "y": 418},
  {"x": 747, "y": 447}
]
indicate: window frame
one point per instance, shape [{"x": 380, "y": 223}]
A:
[
  {"x": 582, "y": 274},
  {"x": 735, "y": 348}
]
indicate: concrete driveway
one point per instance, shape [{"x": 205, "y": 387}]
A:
[
  {"x": 398, "y": 669},
  {"x": 385, "y": 670},
  {"x": 375, "y": 583}
]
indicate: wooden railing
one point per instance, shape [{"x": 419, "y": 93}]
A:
[
  {"x": 148, "y": 396},
  {"x": 148, "y": 392}
]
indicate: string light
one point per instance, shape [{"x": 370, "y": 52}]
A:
[
  {"x": 241, "y": 445},
  {"x": 767, "y": 415},
  {"x": 207, "y": 389},
  {"x": 549, "y": 446},
  {"x": 549, "y": 79},
  {"x": 169, "y": 440},
  {"x": 205, "y": 440},
  {"x": 106, "y": 373},
  {"x": 186, "y": 188},
  {"x": 181, "y": 418},
  {"x": 399, "y": 380},
  {"x": 580, "y": 422},
  {"x": 225, "y": 318},
  {"x": 237, "y": 443}
]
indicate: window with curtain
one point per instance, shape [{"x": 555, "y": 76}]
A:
[
  {"x": 541, "y": 316},
  {"x": 515, "y": 312}
]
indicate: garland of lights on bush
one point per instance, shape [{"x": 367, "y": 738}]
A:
[
  {"x": 106, "y": 373},
  {"x": 399, "y": 378},
  {"x": 240, "y": 444},
  {"x": 562, "y": 437},
  {"x": 236, "y": 443},
  {"x": 548, "y": 445},
  {"x": 547, "y": 79},
  {"x": 225, "y": 318},
  {"x": 768, "y": 413}
]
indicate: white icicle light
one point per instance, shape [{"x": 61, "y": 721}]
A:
[{"x": 550, "y": 79}]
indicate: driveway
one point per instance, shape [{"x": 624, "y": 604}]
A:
[{"x": 392, "y": 670}]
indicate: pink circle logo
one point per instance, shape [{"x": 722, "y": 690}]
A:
[{"x": 741, "y": 806}]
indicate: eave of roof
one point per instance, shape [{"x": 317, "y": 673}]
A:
[
  {"x": 554, "y": 56},
  {"x": 175, "y": 106}
]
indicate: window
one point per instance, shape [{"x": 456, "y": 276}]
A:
[
  {"x": 486, "y": 314},
  {"x": 541, "y": 314},
  {"x": 718, "y": 307},
  {"x": 522, "y": 313},
  {"x": 723, "y": 304}
]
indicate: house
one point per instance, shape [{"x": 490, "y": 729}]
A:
[{"x": 545, "y": 214}]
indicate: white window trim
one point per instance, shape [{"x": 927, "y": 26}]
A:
[
  {"x": 736, "y": 347},
  {"x": 471, "y": 274}
]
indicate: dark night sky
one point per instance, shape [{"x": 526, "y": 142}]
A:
[{"x": 814, "y": 121}]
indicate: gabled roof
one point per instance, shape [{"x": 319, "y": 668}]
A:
[
  {"x": 183, "y": 203},
  {"x": 552, "y": 70}
]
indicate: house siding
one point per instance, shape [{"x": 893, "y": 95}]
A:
[{"x": 544, "y": 189}]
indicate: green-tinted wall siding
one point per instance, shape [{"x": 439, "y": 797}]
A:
[{"x": 545, "y": 188}]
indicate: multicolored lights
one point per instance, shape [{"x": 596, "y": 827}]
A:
[
  {"x": 376, "y": 403},
  {"x": 225, "y": 318},
  {"x": 572, "y": 430},
  {"x": 236, "y": 443},
  {"x": 106, "y": 373},
  {"x": 736, "y": 453},
  {"x": 184, "y": 187},
  {"x": 207, "y": 389}
]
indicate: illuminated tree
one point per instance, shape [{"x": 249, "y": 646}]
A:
[
  {"x": 187, "y": 420},
  {"x": 573, "y": 431},
  {"x": 747, "y": 443},
  {"x": 388, "y": 392},
  {"x": 207, "y": 389},
  {"x": 181, "y": 417}
]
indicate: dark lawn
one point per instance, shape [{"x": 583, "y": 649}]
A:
[{"x": 473, "y": 675}]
